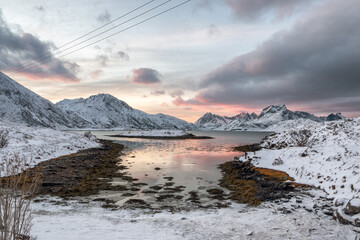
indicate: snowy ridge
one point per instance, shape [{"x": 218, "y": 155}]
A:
[
  {"x": 268, "y": 118},
  {"x": 38, "y": 144},
  {"x": 20, "y": 105},
  {"x": 106, "y": 111},
  {"x": 325, "y": 155}
]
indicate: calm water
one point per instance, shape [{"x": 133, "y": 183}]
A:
[{"x": 192, "y": 163}]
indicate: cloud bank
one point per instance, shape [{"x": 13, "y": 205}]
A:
[
  {"x": 21, "y": 50},
  {"x": 250, "y": 10},
  {"x": 316, "y": 61}
]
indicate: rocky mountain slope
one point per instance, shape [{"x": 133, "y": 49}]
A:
[
  {"x": 270, "y": 116},
  {"x": 22, "y": 106},
  {"x": 106, "y": 111}
]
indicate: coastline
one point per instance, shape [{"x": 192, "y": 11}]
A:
[{"x": 184, "y": 137}]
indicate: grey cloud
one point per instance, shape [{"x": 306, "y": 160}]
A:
[
  {"x": 146, "y": 76},
  {"x": 104, "y": 17},
  {"x": 20, "y": 50},
  {"x": 122, "y": 55},
  {"x": 109, "y": 55},
  {"x": 176, "y": 93},
  {"x": 249, "y": 10},
  {"x": 317, "y": 60}
]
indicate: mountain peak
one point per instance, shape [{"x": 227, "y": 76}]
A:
[{"x": 273, "y": 109}]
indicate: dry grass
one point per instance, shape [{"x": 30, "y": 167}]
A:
[
  {"x": 274, "y": 174},
  {"x": 243, "y": 191},
  {"x": 17, "y": 190}
]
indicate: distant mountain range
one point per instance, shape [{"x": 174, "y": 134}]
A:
[
  {"x": 20, "y": 105},
  {"x": 103, "y": 111},
  {"x": 271, "y": 115}
]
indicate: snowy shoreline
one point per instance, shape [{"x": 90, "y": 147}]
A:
[
  {"x": 37, "y": 144},
  {"x": 84, "y": 220}
]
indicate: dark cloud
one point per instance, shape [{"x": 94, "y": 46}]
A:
[
  {"x": 20, "y": 50},
  {"x": 158, "y": 92},
  {"x": 104, "y": 17},
  {"x": 249, "y": 10},
  {"x": 146, "y": 76},
  {"x": 315, "y": 61}
]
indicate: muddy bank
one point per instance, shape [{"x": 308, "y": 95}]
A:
[
  {"x": 80, "y": 174},
  {"x": 184, "y": 137},
  {"x": 252, "y": 185}
]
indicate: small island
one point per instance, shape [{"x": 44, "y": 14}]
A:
[{"x": 160, "y": 134}]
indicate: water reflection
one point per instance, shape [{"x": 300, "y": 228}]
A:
[{"x": 192, "y": 163}]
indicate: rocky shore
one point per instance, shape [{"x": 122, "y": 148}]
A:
[
  {"x": 253, "y": 186},
  {"x": 80, "y": 174}
]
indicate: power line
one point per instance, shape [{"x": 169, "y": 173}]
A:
[
  {"x": 134, "y": 10},
  {"x": 132, "y": 26},
  {"x": 48, "y": 54}
]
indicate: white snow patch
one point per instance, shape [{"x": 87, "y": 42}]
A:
[
  {"x": 37, "y": 144},
  {"x": 328, "y": 159},
  {"x": 83, "y": 221}
]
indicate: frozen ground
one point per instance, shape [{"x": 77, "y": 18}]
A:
[
  {"x": 269, "y": 221},
  {"x": 41, "y": 144},
  {"x": 325, "y": 155}
]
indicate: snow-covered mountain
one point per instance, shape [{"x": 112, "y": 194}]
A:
[
  {"x": 106, "y": 111},
  {"x": 270, "y": 116},
  {"x": 22, "y": 106},
  {"x": 213, "y": 121}
]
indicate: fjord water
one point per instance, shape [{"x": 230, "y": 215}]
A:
[{"x": 192, "y": 163}]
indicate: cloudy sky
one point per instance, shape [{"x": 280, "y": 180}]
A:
[{"x": 222, "y": 56}]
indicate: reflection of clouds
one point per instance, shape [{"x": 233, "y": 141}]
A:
[{"x": 185, "y": 160}]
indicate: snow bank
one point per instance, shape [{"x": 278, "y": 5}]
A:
[
  {"x": 155, "y": 133},
  {"x": 325, "y": 155},
  {"x": 40, "y": 144},
  {"x": 82, "y": 221}
]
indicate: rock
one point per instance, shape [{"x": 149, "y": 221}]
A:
[
  {"x": 342, "y": 217},
  {"x": 352, "y": 207},
  {"x": 357, "y": 222},
  {"x": 339, "y": 202}
]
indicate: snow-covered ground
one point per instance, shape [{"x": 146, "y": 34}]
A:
[
  {"x": 155, "y": 133},
  {"x": 89, "y": 221},
  {"x": 325, "y": 155},
  {"x": 41, "y": 144}
]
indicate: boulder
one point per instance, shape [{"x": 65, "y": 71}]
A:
[{"x": 352, "y": 207}]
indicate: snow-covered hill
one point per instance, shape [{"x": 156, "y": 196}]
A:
[
  {"x": 106, "y": 111},
  {"x": 22, "y": 106},
  {"x": 37, "y": 144},
  {"x": 270, "y": 116},
  {"x": 325, "y": 155}
]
